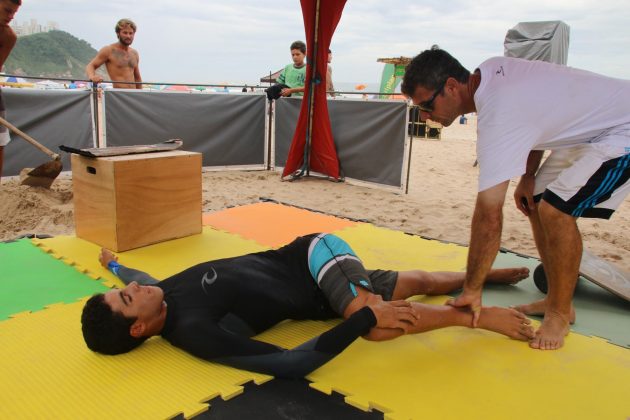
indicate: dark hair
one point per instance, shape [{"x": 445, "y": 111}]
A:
[
  {"x": 299, "y": 45},
  {"x": 18, "y": 2},
  {"x": 124, "y": 22},
  {"x": 106, "y": 331},
  {"x": 430, "y": 69}
]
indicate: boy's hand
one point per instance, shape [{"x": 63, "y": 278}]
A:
[
  {"x": 395, "y": 314},
  {"x": 106, "y": 256}
]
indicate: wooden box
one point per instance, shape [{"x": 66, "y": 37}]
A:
[{"x": 125, "y": 202}]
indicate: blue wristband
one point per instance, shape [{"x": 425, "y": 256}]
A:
[{"x": 113, "y": 267}]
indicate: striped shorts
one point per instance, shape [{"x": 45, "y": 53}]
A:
[
  {"x": 589, "y": 180},
  {"x": 338, "y": 272}
]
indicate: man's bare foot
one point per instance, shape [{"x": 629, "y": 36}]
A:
[
  {"x": 507, "y": 322},
  {"x": 538, "y": 308},
  {"x": 507, "y": 275},
  {"x": 550, "y": 335}
]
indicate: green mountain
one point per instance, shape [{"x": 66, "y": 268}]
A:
[{"x": 50, "y": 54}]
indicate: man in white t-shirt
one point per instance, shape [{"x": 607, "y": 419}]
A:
[{"x": 524, "y": 108}]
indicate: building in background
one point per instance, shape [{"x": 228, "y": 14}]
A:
[{"x": 33, "y": 27}]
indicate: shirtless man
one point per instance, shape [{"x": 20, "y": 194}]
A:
[
  {"x": 120, "y": 59},
  {"x": 8, "y": 9}
]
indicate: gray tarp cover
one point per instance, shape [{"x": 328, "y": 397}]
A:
[
  {"x": 53, "y": 118},
  {"x": 226, "y": 129},
  {"x": 545, "y": 41},
  {"x": 369, "y": 136}
]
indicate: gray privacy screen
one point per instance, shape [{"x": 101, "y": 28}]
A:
[
  {"x": 53, "y": 118},
  {"x": 369, "y": 137},
  {"x": 226, "y": 129},
  {"x": 544, "y": 41}
]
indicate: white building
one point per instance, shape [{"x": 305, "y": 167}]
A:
[{"x": 33, "y": 27}]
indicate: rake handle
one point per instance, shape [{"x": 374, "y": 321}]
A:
[{"x": 29, "y": 139}]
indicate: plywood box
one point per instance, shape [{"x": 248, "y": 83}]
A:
[{"x": 125, "y": 202}]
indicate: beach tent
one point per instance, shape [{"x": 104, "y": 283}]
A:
[
  {"x": 312, "y": 146},
  {"x": 178, "y": 88},
  {"x": 271, "y": 78},
  {"x": 13, "y": 79},
  {"x": 545, "y": 41},
  {"x": 393, "y": 73}
]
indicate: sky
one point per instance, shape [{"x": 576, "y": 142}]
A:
[{"x": 238, "y": 41}]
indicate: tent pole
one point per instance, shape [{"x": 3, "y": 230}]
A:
[
  {"x": 409, "y": 121},
  {"x": 311, "y": 98},
  {"x": 96, "y": 113},
  {"x": 270, "y": 120}
]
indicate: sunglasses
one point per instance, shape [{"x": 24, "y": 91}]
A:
[{"x": 427, "y": 106}]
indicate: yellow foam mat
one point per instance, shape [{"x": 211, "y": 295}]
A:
[
  {"x": 393, "y": 250},
  {"x": 47, "y": 372},
  {"x": 461, "y": 373},
  {"x": 161, "y": 260}
]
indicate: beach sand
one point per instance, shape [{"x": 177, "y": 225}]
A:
[{"x": 439, "y": 205}]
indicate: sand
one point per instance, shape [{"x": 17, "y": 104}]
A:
[{"x": 440, "y": 202}]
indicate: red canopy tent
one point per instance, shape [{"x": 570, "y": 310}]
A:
[{"x": 313, "y": 147}]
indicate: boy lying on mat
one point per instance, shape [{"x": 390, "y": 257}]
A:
[{"x": 212, "y": 309}]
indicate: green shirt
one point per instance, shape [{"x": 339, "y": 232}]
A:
[{"x": 293, "y": 77}]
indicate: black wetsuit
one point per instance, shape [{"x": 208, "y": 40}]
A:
[{"x": 215, "y": 307}]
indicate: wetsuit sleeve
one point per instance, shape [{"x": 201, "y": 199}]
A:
[
  {"x": 245, "y": 353},
  {"x": 127, "y": 275}
]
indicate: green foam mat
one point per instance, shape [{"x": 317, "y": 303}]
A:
[
  {"x": 599, "y": 312},
  {"x": 30, "y": 279}
]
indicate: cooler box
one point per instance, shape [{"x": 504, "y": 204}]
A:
[{"x": 126, "y": 202}]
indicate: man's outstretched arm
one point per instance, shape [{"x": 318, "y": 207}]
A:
[
  {"x": 208, "y": 341},
  {"x": 110, "y": 261},
  {"x": 485, "y": 240}
]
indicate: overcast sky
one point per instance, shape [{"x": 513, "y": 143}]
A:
[{"x": 238, "y": 41}]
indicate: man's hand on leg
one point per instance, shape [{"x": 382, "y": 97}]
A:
[{"x": 395, "y": 314}]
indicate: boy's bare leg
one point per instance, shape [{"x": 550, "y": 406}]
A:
[
  {"x": 508, "y": 322},
  {"x": 418, "y": 282}
]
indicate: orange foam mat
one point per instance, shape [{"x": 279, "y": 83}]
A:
[{"x": 273, "y": 224}]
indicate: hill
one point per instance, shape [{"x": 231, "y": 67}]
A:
[{"x": 50, "y": 54}]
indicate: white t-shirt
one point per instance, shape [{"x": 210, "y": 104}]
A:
[{"x": 527, "y": 105}]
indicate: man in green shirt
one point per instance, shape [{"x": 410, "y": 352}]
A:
[{"x": 294, "y": 75}]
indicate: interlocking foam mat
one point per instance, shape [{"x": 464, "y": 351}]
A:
[
  {"x": 600, "y": 313},
  {"x": 47, "y": 372},
  {"x": 460, "y": 373},
  {"x": 273, "y": 224},
  {"x": 159, "y": 260},
  {"x": 450, "y": 373},
  {"x": 30, "y": 279}
]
